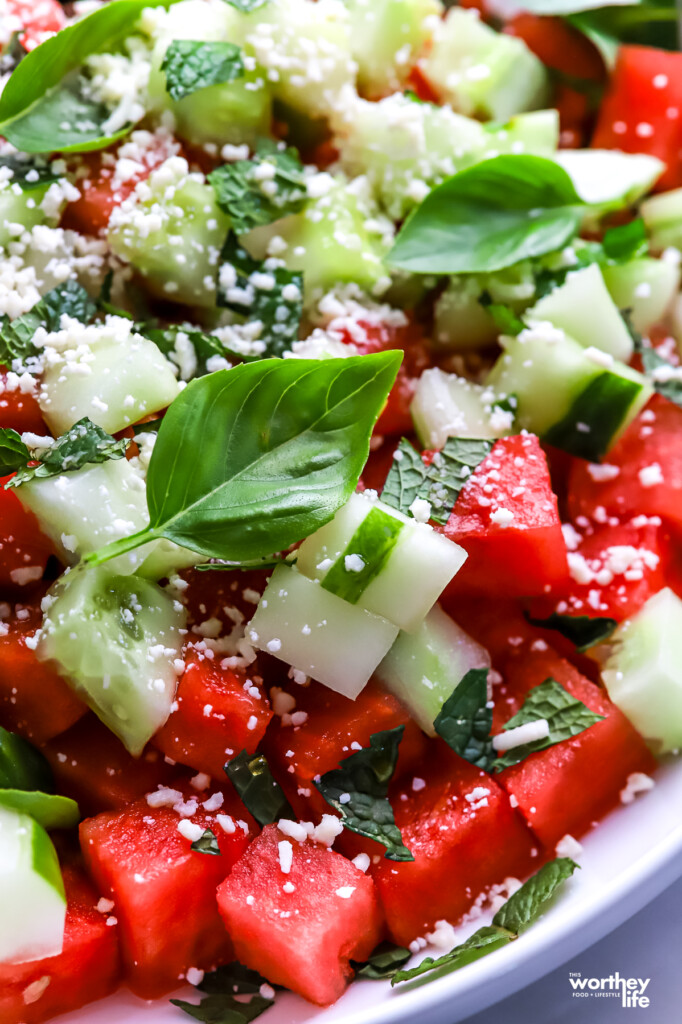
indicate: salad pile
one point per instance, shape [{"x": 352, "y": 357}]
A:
[{"x": 341, "y": 505}]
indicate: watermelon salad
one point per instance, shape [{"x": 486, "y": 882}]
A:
[{"x": 341, "y": 505}]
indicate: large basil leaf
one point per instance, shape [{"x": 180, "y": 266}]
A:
[
  {"x": 250, "y": 460},
  {"x": 490, "y": 216},
  {"x": 42, "y": 109}
]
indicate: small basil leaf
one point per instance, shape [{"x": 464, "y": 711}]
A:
[
  {"x": 205, "y": 346},
  {"x": 27, "y": 174},
  {"x": 190, "y": 65},
  {"x": 22, "y": 766},
  {"x": 83, "y": 444},
  {"x": 13, "y": 452},
  {"x": 384, "y": 962},
  {"x": 465, "y": 720},
  {"x": 566, "y": 716},
  {"x": 406, "y": 478},
  {"x": 490, "y": 216},
  {"x": 224, "y": 1009},
  {"x": 16, "y": 336},
  {"x": 207, "y": 843},
  {"x": 581, "y": 630},
  {"x": 259, "y": 792},
  {"x": 449, "y": 471},
  {"x": 527, "y": 903},
  {"x": 364, "y": 777},
  {"x": 625, "y": 242},
  {"x": 49, "y": 810},
  {"x": 42, "y": 107},
  {"x": 271, "y": 295},
  {"x": 232, "y": 979},
  {"x": 239, "y": 192},
  {"x": 482, "y": 942}
]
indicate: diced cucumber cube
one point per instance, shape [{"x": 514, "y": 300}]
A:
[
  {"x": 662, "y": 215},
  {"x": 608, "y": 179},
  {"x": 575, "y": 398},
  {"x": 643, "y": 672},
  {"x": 445, "y": 405},
  {"x": 106, "y": 372},
  {"x": 461, "y": 323},
  {"x": 117, "y": 640},
  {"x": 386, "y": 37},
  {"x": 171, "y": 230},
  {"x": 375, "y": 557},
  {"x": 22, "y": 207},
  {"x": 423, "y": 668},
  {"x": 31, "y": 891},
  {"x": 646, "y": 287},
  {"x": 584, "y": 309},
  {"x": 337, "y": 643},
  {"x": 482, "y": 72}
]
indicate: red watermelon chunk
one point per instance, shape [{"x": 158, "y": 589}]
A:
[
  {"x": 24, "y": 550},
  {"x": 86, "y": 969},
  {"x": 506, "y": 518},
  {"x": 465, "y": 837},
  {"x": 164, "y": 893},
  {"x": 566, "y": 788},
  {"x": 217, "y": 713},
  {"x": 301, "y": 928}
]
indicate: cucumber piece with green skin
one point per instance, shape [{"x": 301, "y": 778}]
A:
[
  {"x": 482, "y": 72},
  {"x": 577, "y": 399},
  {"x": 171, "y": 230},
  {"x": 646, "y": 287},
  {"x": 117, "y": 640},
  {"x": 584, "y": 309},
  {"x": 662, "y": 215},
  {"x": 383, "y": 561},
  {"x": 106, "y": 372},
  {"x": 422, "y": 669},
  {"x": 49, "y": 809},
  {"x": 643, "y": 671},
  {"x": 445, "y": 405},
  {"x": 462, "y": 323},
  {"x": 386, "y": 37},
  {"x": 31, "y": 891},
  {"x": 316, "y": 632}
]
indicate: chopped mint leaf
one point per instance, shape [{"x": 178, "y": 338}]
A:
[
  {"x": 206, "y": 844},
  {"x": 25, "y": 172},
  {"x": 581, "y": 630},
  {"x": 104, "y": 303},
  {"x": 223, "y": 1008},
  {"x": 206, "y": 346},
  {"x": 14, "y": 454},
  {"x": 233, "y": 979},
  {"x": 520, "y": 910},
  {"x": 384, "y": 962},
  {"x": 190, "y": 65},
  {"x": 16, "y": 336},
  {"x": 240, "y": 192},
  {"x": 261, "y": 795},
  {"x": 407, "y": 478},
  {"x": 261, "y": 292},
  {"x": 566, "y": 716},
  {"x": 364, "y": 776},
  {"x": 506, "y": 320},
  {"x": 465, "y": 720},
  {"x": 665, "y": 377},
  {"x": 625, "y": 242},
  {"x": 84, "y": 443}
]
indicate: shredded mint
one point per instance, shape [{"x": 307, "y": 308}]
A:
[
  {"x": 16, "y": 336},
  {"x": 362, "y": 780},
  {"x": 259, "y": 792},
  {"x": 581, "y": 630},
  {"x": 206, "y": 346},
  {"x": 385, "y": 962},
  {"x": 190, "y": 65},
  {"x": 83, "y": 444},
  {"x": 258, "y": 191},
  {"x": 465, "y": 720},
  {"x": 28, "y": 174},
  {"x": 207, "y": 843},
  {"x": 219, "y": 1005}
]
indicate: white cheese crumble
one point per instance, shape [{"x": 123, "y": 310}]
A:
[{"x": 528, "y": 733}]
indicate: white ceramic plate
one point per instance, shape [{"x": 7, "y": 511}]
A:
[{"x": 627, "y": 861}]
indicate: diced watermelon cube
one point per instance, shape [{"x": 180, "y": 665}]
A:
[
  {"x": 464, "y": 836},
  {"x": 217, "y": 713},
  {"x": 24, "y": 550},
  {"x": 86, "y": 969},
  {"x": 92, "y": 766},
  {"x": 506, "y": 518},
  {"x": 567, "y": 787},
  {"x": 300, "y": 928},
  {"x": 163, "y": 891}
]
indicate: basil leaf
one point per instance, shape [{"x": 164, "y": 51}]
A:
[
  {"x": 364, "y": 777},
  {"x": 27, "y": 174},
  {"x": 259, "y": 792},
  {"x": 13, "y": 452},
  {"x": 439, "y": 483},
  {"x": 42, "y": 107},
  {"x": 490, "y": 216},
  {"x": 232, "y": 979},
  {"x": 247, "y": 5},
  {"x": 16, "y": 336},
  {"x": 206, "y": 844},
  {"x": 22, "y": 766},
  {"x": 520, "y": 910},
  {"x": 12, "y": 54},
  {"x": 527, "y": 903},
  {"x": 625, "y": 242},
  {"x": 250, "y": 460},
  {"x": 581, "y": 630},
  {"x": 205, "y": 346},
  {"x": 273, "y": 296},
  {"x": 239, "y": 189},
  {"x": 49, "y": 810},
  {"x": 565, "y": 714},
  {"x": 465, "y": 720},
  {"x": 190, "y": 65},
  {"x": 651, "y": 23},
  {"x": 224, "y": 1009},
  {"x": 83, "y": 444},
  {"x": 384, "y": 962}
]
